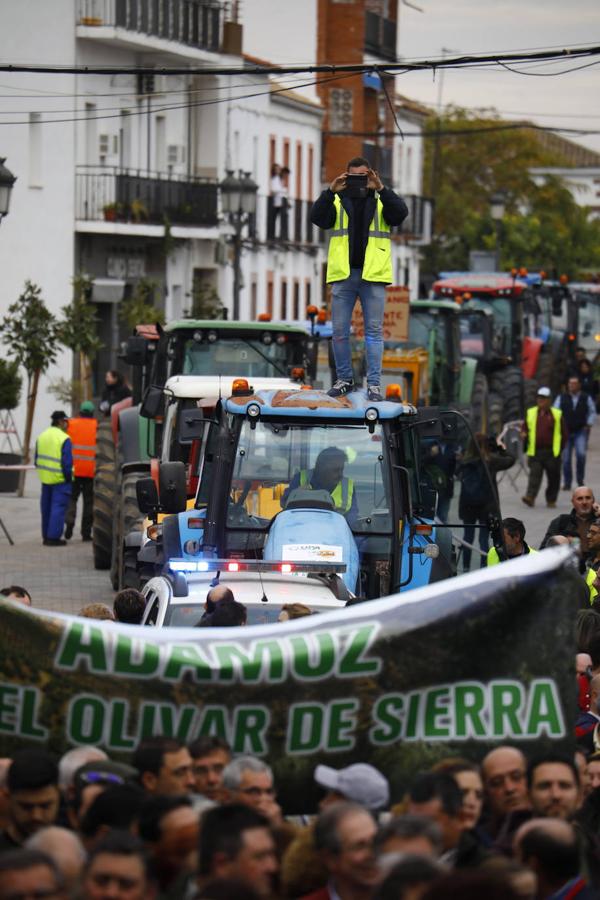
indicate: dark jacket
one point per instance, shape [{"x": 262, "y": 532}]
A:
[
  {"x": 575, "y": 418},
  {"x": 565, "y": 524},
  {"x": 475, "y": 496},
  {"x": 322, "y": 213}
]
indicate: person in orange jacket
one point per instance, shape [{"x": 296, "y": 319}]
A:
[{"x": 82, "y": 431}]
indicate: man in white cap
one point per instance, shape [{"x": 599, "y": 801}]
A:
[
  {"x": 359, "y": 783},
  {"x": 302, "y": 868},
  {"x": 545, "y": 436}
]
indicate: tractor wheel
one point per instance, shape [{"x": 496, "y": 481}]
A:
[
  {"x": 131, "y": 577},
  {"x": 102, "y": 532},
  {"x": 104, "y": 493},
  {"x": 508, "y": 382},
  {"x": 479, "y": 404},
  {"x": 130, "y": 519},
  {"x": 495, "y": 413}
]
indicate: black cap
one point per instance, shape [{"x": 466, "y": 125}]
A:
[{"x": 58, "y": 414}]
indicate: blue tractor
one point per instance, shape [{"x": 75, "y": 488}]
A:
[{"x": 297, "y": 478}]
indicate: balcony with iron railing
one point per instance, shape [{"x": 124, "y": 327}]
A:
[
  {"x": 195, "y": 23},
  {"x": 380, "y": 36},
  {"x": 152, "y": 198},
  {"x": 287, "y": 227},
  {"x": 418, "y": 226}
]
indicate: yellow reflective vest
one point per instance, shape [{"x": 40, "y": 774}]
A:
[
  {"x": 341, "y": 494},
  {"x": 48, "y": 455},
  {"x": 493, "y": 558},
  {"x": 532, "y": 415},
  {"x": 590, "y": 577},
  {"x": 378, "y": 253}
]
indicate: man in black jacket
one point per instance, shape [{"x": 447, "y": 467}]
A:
[
  {"x": 579, "y": 414},
  {"x": 359, "y": 264},
  {"x": 576, "y": 523}
]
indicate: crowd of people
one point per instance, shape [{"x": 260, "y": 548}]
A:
[{"x": 198, "y": 822}]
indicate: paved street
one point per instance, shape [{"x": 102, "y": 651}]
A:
[{"x": 63, "y": 578}]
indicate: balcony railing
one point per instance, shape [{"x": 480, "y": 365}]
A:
[
  {"x": 380, "y": 35},
  {"x": 196, "y": 23},
  {"x": 287, "y": 226},
  {"x": 125, "y": 195}
]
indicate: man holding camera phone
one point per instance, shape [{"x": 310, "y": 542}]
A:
[{"x": 360, "y": 211}]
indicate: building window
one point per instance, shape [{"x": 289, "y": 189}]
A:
[
  {"x": 269, "y": 308},
  {"x": 283, "y": 309},
  {"x": 35, "y": 150},
  {"x": 307, "y": 293},
  {"x": 253, "y": 298},
  {"x": 311, "y": 162},
  {"x": 296, "y": 301},
  {"x": 299, "y": 170}
]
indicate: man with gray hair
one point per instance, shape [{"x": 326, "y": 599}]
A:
[
  {"x": 249, "y": 780},
  {"x": 70, "y": 762},
  {"x": 65, "y": 850},
  {"x": 344, "y": 837}
]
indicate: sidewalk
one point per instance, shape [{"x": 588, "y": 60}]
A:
[{"x": 58, "y": 578}]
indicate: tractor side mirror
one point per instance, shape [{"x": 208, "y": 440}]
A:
[
  {"x": 152, "y": 402},
  {"x": 172, "y": 487},
  {"x": 146, "y": 496},
  {"x": 191, "y": 426},
  {"x": 135, "y": 349}
]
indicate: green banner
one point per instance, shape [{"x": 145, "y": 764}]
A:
[{"x": 450, "y": 669}]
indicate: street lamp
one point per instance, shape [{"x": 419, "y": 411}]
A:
[
  {"x": 7, "y": 179},
  {"x": 238, "y": 201},
  {"x": 497, "y": 210}
]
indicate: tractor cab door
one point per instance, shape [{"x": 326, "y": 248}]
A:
[{"x": 456, "y": 486}]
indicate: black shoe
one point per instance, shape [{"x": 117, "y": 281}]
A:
[
  {"x": 341, "y": 388},
  {"x": 68, "y": 534},
  {"x": 374, "y": 393},
  {"x": 52, "y": 542},
  {"x": 85, "y": 537}
]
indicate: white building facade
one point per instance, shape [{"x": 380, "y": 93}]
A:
[{"x": 118, "y": 173}]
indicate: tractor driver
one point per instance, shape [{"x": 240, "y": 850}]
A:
[{"x": 328, "y": 475}]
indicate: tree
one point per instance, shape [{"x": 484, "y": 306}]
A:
[
  {"x": 465, "y": 169},
  {"x": 139, "y": 308},
  {"x": 206, "y": 303},
  {"x": 30, "y": 332},
  {"x": 78, "y": 330}
]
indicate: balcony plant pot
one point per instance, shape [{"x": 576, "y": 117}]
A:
[{"x": 9, "y": 481}]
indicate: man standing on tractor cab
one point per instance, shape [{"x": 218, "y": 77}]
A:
[
  {"x": 359, "y": 264},
  {"x": 82, "y": 431},
  {"x": 54, "y": 464}
]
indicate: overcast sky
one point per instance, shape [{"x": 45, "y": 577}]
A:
[{"x": 468, "y": 26}]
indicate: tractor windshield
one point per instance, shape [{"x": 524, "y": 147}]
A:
[
  {"x": 345, "y": 466},
  {"x": 235, "y": 356},
  {"x": 502, "y": 310}
]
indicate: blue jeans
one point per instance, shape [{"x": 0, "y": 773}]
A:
[
  {"x": 54, "y": 501},
  {"x": 372, "y": 299},
  {"x": 578, "y": 442}
]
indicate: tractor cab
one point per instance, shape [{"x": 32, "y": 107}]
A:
[
  {"x": 493, "y": 333},
  {"x": 586, "y": 300},
  {"x": 361, "y": 497}
]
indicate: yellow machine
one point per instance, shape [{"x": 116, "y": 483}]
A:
[{"x": 410, "y": 369}]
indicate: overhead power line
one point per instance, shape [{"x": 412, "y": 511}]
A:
[{"x": 447, "y": 62}]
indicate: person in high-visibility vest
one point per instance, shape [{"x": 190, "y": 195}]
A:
[
  {"x": 328, "y": 475},
  {"x": 513, "y": 532},
  {"x": 82, "y": 431},
  {"x": 359, "y": 264},
  {"x": 545, "y": 436},
  {"x": 54, "y": 465}
]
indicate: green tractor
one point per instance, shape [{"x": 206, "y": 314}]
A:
[{"x": 131, "y": 437}]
